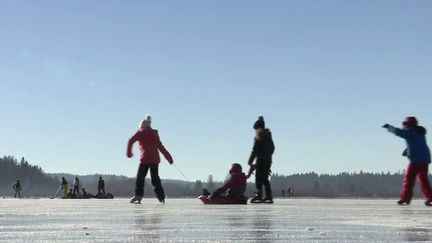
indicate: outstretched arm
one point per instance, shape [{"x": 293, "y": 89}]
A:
[{"x": 396, "y": 131}]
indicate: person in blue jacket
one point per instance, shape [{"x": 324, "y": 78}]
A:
[{"x": 419, "y": 157}]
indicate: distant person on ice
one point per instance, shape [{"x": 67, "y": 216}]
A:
[
  {"x": 76, "y": 186},
  {"x": 419, "y": 157},
  {"x": 262, "y": 151},
  {"x": 234, "y": 187},
  {"x": 17, "y": 189},
  {"x": 150, "y": 145},
  {"x": 101, "y": 185},
  {"x": 85, "y": 194},
  {"x": 64, "y": 188}
]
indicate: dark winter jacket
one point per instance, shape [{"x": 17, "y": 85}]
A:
[
  {"x": 415, "y": 137},
  {"x": 150, "y": 145},
  {"x": 263, "y": 148},
  {"x": 235, "y": 186},
  {"x": 17, "y": 187},
  {"x": 64, "y": 183},
  {"x": 101, "y": 183}
]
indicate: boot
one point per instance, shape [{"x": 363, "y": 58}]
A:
[
  {"x": 257, "y": 198},
  {"x": 136, "y": 199},
  {"x": 428, "y": 203}
]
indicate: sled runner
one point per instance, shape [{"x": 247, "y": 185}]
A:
[{"x": 223, "y": 200}]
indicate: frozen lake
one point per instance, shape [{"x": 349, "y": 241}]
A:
[{"x": 188, "y": 220}]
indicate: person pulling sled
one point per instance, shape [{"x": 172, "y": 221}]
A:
[
  {"x": 64, "y": 188},
  {"x": 150, "y": 145}
]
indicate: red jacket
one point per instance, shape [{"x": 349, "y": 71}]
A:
[{"x": 150, "y": 145}]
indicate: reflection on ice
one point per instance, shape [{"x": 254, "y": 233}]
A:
[
  {"x": 417, "y": 234},
  {"x": 186, "y": 220}
]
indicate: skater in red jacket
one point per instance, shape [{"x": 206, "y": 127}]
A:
[
  {"x": 150, "y": 145},
  {"x": 419, "y": 157}
]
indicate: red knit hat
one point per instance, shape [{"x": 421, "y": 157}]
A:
[{"x": 410, "y": 121}]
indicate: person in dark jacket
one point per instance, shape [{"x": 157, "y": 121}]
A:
[
  {"x": 419, "y": 159},
  {"x": 262, "y": 152},
  {"x": 235, "y": 186},
  {"x": 76, "y": 185},
  {"x": 17, "y": 189},
  {"x": 101, "y": 185},
  {"x": 150, "y": 145}
]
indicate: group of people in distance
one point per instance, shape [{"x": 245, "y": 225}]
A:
[
  {"x": 68, "y": 193},
  {"x": 259, "y": 161},
  {"x": 74, "y": 193}
]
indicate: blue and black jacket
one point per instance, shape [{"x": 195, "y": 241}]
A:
[{"x": 417, "y": 149}]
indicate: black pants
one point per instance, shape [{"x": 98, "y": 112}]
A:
[
  {"x": 155, "y": 180},
  {"x": 262, "y": 179},
  {"x": 76, "y": 190},
  {"x": 101, "y": 189}
]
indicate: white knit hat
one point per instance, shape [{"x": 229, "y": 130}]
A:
[{"x": 146, "y": 122}]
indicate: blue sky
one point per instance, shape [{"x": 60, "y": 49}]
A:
[{"x": 77, "y": 77}]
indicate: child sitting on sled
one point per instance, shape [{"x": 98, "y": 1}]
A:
[{"x": 234, "y": 187}]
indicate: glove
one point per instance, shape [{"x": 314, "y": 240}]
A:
[
  {"x": 129, "y": 155},
  {"x": 405, "y": 153},
  {"x": 251, "y": 170},
  {"x": 386, "y": 125}
]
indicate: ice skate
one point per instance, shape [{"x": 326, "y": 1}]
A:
[
  {"x": 403, "y": 202},
  {"x": 160, "y": 194},
  {"x": 428, "y": 203},
  {"x": 257, "y": 198},
  {"x": 136, "y": 199},
  {"x": 161, "y": 199},
  {"x": 268, "y": 200}
]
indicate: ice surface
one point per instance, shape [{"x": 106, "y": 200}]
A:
[{"x": 188, "y": 220}]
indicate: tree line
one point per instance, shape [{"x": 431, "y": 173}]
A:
[{"x": 36, "y": 183}]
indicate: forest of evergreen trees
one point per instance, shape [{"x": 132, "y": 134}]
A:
[
  {"x": 36, "y": 183},
  {"x": 33, "y": 180}
]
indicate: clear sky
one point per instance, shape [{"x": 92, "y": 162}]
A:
[{"x": 76, "y": 78}]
